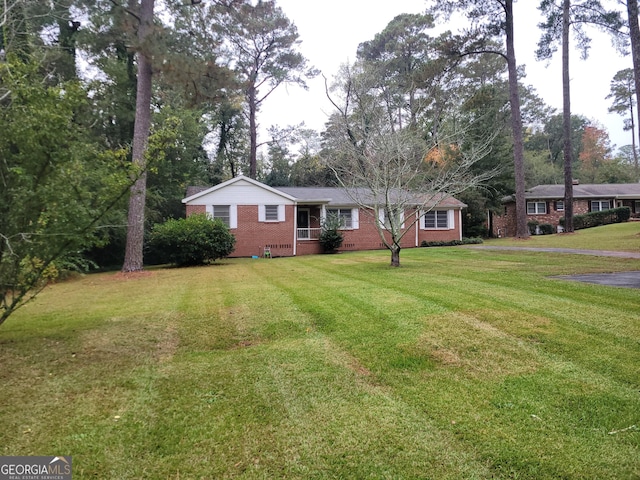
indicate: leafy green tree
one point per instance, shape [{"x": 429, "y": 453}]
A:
[
  {"x": 550, "y": 139},
  {"x": 279, "y": 166},
  {"x": 623, "y": 98},
  {"x": 194, "y": 240},
  {"x": 634, "y": 37},
  {"x": 133, "y": 256},
  {"x": 57, "y": 185},
  {"x": 263, "y": 47},
  {"x": 401, "y": 54},
  {"x": 572, "y": 16},
  {"x": 491, "y": 19}
]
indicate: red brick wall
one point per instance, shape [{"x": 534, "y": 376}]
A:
[
  {"x": 253, "y": 236},
  {"x": 505, "y": 225},
  {"x": 367, "y": 237}
]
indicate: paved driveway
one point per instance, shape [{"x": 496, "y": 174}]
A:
[{"x": 617, "y": 279}]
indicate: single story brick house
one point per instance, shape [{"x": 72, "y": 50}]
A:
[
  {"x": 286, "y": 220},
  {"x": 545, "y": 204}
]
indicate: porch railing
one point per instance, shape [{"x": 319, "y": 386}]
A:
[{"x": 308, "y": 233}]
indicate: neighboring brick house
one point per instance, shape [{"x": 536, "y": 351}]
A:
[
  {"x": 545, "y": 204},
  {"x": 287, "y": 220}
]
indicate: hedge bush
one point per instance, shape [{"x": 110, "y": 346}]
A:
[
  {"x": 195, "y": 240},
  {"x": 546, "y": 229},
  {"x": 452, "y": 243},
  {"x": 604, "y": 217}
]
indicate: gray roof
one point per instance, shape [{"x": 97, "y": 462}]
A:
[
  {"x": 587, "y": 190},
  {"x": 335, "y": 195},
  {"x": 341, "y": 196},
  {"x": 192, "y": 190},
  {"x": 345, "y": 196}
]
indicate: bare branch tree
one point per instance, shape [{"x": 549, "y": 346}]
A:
[{"x": 396, "y": 175}]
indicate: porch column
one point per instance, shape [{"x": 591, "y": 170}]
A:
[
  {"x": 295, "y": 229},
  {"x": 416, "y": 225}
]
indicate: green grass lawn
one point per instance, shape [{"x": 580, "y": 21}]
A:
[
  {"x": 462, "y": 364},
  {"x": 618, "y": 237}
]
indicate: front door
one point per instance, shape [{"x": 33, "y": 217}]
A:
[{"x": 303, "y": 223}]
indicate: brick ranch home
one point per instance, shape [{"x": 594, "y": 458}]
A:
[
  {"x": 545, "y": 204},
  {"x": 287, "y": 220}
]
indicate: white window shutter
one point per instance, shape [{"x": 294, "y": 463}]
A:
[
  {"x": 261, "y": 213},
  {"x": 451, "y": 223},
  {"x": 209, "y": 210},
  {"x": 355, "y": 218},
  {"x": 402, "y": 219},
  {"x": 281, "y": 211},
  {"x": 233, "y": 216},
  {"x": 381, "y": 216}
]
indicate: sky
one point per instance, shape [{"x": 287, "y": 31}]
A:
[{"x": 330, "y": 32}]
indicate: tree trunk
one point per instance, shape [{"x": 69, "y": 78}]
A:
[
  {"x": 133, "y": 259},
  {"x": 633, "y": 137},
  {"x": 522, "y": 230},
  {"x": 634, "y": 33},
  {"x": 253, "y": 133},
  {"x": 566, "y": 120},
  {"x": 395, "y": 255}
]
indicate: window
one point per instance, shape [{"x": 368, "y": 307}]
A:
[
  {"x": 345, "y": 215},
  {"x": 599, "y": 205},
  {"x": 637, "y": 206},
  {"x": 271, "y": 213},
  {"x": 398, "y": 214},
  {"x": 221, "y": 212},
  {"x": 536, "y": 208},
  {"x": 436, "y": 219},
  {"x": 560, "y": 206}
]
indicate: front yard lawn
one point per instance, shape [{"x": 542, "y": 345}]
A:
[{"x": 461, "y": 364}]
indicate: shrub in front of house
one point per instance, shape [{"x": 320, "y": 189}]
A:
[
  {"x": 331, "y": 237},
  {"x": 603, "y": 217},
  {"x": 546, "y": 229},
  {"x": 195, "y": 240},
  {"x": 452, "y": 243}
]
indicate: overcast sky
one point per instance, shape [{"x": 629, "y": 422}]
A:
[{"x": 331, "y": 31}]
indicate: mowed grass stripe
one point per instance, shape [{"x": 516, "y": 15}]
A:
[{"x": 332, "y": 366}]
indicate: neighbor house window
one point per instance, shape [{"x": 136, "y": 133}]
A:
[
  {"x": 637, "y": 206},
  {"x": 536, "y": 208},
  {"x": 344, "y": 214},
  {"x": 599, "y": 205},
  {"x": 436, "y": 219},
  {"x": 221, "y": 212},
  {"x": 560, "y": 206}
]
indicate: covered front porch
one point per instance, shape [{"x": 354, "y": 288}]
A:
[{"x": 308, "y": 227}]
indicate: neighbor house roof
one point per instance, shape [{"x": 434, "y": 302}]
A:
[{"x": 587, "y": 190}]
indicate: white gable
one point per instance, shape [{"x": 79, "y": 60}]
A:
[{"x": 240, "y": 191}]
